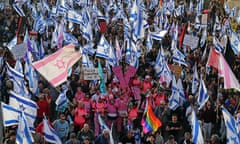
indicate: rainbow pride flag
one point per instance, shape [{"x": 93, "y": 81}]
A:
[{"x": 150, "y": 122}]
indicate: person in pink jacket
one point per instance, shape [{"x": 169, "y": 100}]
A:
[
  {"x": 121, "y": 103},
  {"x": 111, "y": 111},
  {"x": 80, "y": 115}
]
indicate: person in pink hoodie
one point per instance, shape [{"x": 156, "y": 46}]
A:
[
  {"x": 79, "y": 94},
  {"x": 121, "y": 103},
  {"x": 80, "y": 114},
  {"x": 111, "y": 111},
  {"x": 146, "y": 84}
]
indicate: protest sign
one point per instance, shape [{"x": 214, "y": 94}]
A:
[
  {"x": 90, "y": 74},
  {"x": 19, "y": 50},
  {"x": 191, "y": 41}
]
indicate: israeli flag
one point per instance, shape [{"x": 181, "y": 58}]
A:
[
  {"x": 158, "y": 35},
  {"x": 62, "y": 99},
  {"x": 195, "y": 80},
  {"x": 235, "y": 43},
  {"x": 20, "y": 102},
  {"x": 49, "y": 134},
  {"x": 149, "y": 42},
  {"x": 30, "y": 74},
  {"x": 102, "y": 124},
  {"x": 18, "y": 66},
  {"x": 88, "y": 48},
  {"x": 191, "y": 8},
  {"x": 87, "y": 32},
  {"x": 202, "y": 95},
  {"x": 217, "y": 45},
  {"x": 181, "y": 91},
  {"x": 204, "y": 37},
  {"x": 233, "y": 12},
  {"x": 74, "y": 17},
  {"x": 40, "y": 25},
  {"x": 178, "y": 57},
  {"x": 217, "y": 25},
  {"x": 85, "y": 59},
  {"x": 226, "y": 8},
  {"x": 27, "y": 41},
  {"x": 134, "y": 12},
  {"x": 11, "y": 116},
  {"x": 197, "y": 137},
  {"x": 34, "y": 12},
  {"x": 103, "y": 48},
  {"x": 41, "y": 50},
  {"x": 19, "y": 10},
  {"x": 112, "y": 59},
  {"x": 160, "y": 60},
  {"x": 12, "y": 43},
  {"x": 197, "y": 24},
  {"x": 45, "y": 6},
  {"x": 174, "y": 100},
  {"x": 231, "y": 127},
  {"x": 18, "y": 81},
  {"x": 68, "y": 38},
  {"x": 24, "y": 135}
]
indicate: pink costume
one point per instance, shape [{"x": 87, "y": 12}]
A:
[
  {"x": 121, "y": 103},
  {"x": 111, "y": 112}
]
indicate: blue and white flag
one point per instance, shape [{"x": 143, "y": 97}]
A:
[
  {"x": 26, "y": 105},
  {"x": 12, "y": 43},
  {"x": 149, "y": 42},
  {"x": 195, "y": 80},
  {"x": 102, "y": 124},
  {"x": 197, "y": 24},
  {"x": 191, "y": 8},
  {"x": 235, "y": 43},
  {"x": 30, "y": 74},
  {"x": 199, "y": 7},
  {"x": 158, "y": 35},
  {"x": 138, "y": 26},
  {"x": 238, "y": 17},
  {"x": 18, "y": 81},
  {"x": 160, "y": 60},
  {"x": 85, "y": 59},
  {"x": 174, "y": 100},
  {"x": 40, "y": 24},
  {"x": 74, "y": 17},
  {"x": 69, "y": 38},
  {"x": 41, "y": 50},
  {"x": 54, "y": 36},
  {"x": 88, "y": 48},
  {"x": 217, "y": 25},
  {"x": 134, "y": 11},
  {"x": 112, "y": 59},
  {"x": 49, "y": 134},
  {"x": 217, "y": 45},
  {"x": 202, "y": 95},
  {"x": 231, "y": 127},
  {"x": 233, "y": 12},
  {"x": 27, "y": 41},
  {"x": 11, "y": 116},
  {"x": 18, "y": 9},
  {"x": 197, "y": 137},
  {"x": 226, "y": 8},
  {"x": 204, "y": 37},
  {"x": 178, "y": 57},
  {"x": 103, "y": 48},
  {"x": 166, "y": 74},
  {"x": 45, "y": 6},
  {"x": 181, "y": 92},
  {"x": 62, "y": 99},
  {"x": 24, "y": 135},
  {"x": 18, "y": 66},
  {"x": 87, "y": 32}
]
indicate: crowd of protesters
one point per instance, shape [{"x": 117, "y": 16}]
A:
[{"x": 77, "y": 123}]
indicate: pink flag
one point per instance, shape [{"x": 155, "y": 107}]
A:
[
  {"x": 60, "y": 35},
  {"x": 217, "y": 61},
  {"x": 55, "y": 67},
  {"x": 129, "y": 73},
  {"x": 118, "y": 72}
]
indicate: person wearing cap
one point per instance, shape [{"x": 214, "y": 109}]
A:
[{"x": 73, "y": 139}]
